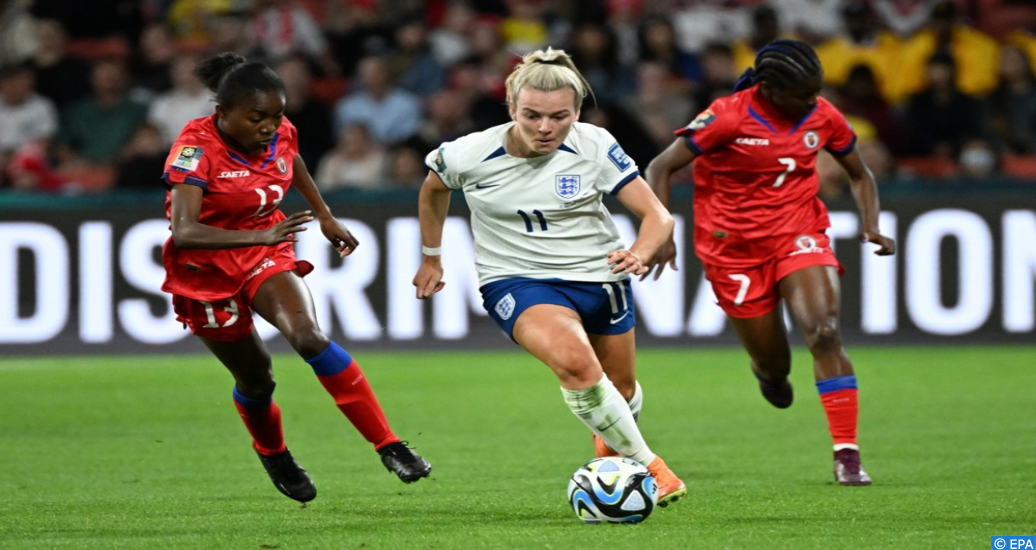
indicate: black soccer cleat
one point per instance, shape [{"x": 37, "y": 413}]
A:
[
  {"x": 778, "y": 393},
  {"x": 404, "y": 462},
  {"x": 288, "y": 477},
  {"x": 848, "y": 470}
]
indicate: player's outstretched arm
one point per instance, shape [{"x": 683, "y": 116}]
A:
[
  {"x": 188, "y": 232},
  {"x": 333, "y": 230},
  {"x": 656, "y": 229},
  {"x": 865, "y": 193},
  {"x": 659, "y": 174},
  {"x": 432, "y": 207}
]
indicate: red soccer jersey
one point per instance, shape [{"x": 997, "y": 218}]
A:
[
  {"x": 755, "y": 181},
  {"x": 242, "y": 192}
]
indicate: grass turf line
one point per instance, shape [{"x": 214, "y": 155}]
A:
[{"x": 144, "y": 452}]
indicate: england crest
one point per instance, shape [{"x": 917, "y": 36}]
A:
[
  {"x": 566, "y": 185},
  {"x": 505, "y": 307}
]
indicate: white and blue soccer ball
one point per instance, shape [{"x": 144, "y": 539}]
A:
[{"x": 612, "y": 490}]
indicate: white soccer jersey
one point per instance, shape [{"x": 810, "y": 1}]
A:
[{"x": 539, "y": 217}]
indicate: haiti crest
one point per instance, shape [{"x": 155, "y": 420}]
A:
[{"x": 566, "y": 185}]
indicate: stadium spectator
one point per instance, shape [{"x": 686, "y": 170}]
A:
[
  {"x": 657, "y": 103},
  {"x": 524, "y": 28},
  {"x": 187, "y": 100},
  {"x": 812, "y": 21},
  {"x": 760, "y": 229},
  {"x": 412, "y": 61},
  {"x": 60, "y": 78},
  {"x": 861, "y": 97},
  {"x": 719, "y": 73},
  {"x": 142, "y": 161},
  {"x": 563, "y": 295},
  {"x": 594, "y": 52},
  {"x": 356, "y": 31},
  {"x": 24, "y": 115},
  {"x": 1011, "y": 108},
  {"x": 392, "y": 114},
  {"x": 231, "y": 256},
  {"x": 903, "y": 17},
  {"x": 766, "y": 27},
  {"x": 974, "y": 54},
  {"x": 941, "y": 117},
  {"x": 862, "y": 42},
  {"x": 17, "y": 32},
  {"x": 356, "y": 162},
  {"x": 406, "y": 167},
  {"x": 658, "y": 43},
  {"x": 449, "y": 41},
  {"x": 151, "y": 63},
  {"x": 96, "y": 128},
  {"x": 446, "y": 118},
  {"x": 978, "y": 160},
  {"x": 283, "y": 27},
  {"x": 311, "y": 117}
]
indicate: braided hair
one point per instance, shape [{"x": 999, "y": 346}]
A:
[{"x": 781, "y": 63}]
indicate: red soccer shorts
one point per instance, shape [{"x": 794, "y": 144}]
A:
[
  {"x": 230, "y": 319},
  {"x": 747, "y": 292}
]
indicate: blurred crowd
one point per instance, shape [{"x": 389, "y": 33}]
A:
[{"x": 93, "y": 93}]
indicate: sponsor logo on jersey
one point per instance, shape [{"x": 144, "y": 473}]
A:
[
  {"x": 752, "y": 141},
  {"x": 811, "y": 139},
  {"x": 187, "y": 158},
  {"x": 235, "y": 174},
  {"x": 619, "y": 157},
  {"x": 566, "y": 185},
  {"x": 439, "y": 162},
  {"x": 702, "y": 120},
  {"x": 263, "y": 266},
  {"x": 807, "y": 245},
  {"x": 282, "y": 166},
  {"x": 505, "y": 307}
]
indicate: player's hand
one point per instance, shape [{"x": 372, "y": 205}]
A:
[
  {"x": 429, "y": 277},
  {"x": 340, "y": 237},
  {"x": 284, "y": 232},
  {"x": 887, "y": 245},
  {"x": 624, "y": 261},
  {"x": 666, "y": 255}
]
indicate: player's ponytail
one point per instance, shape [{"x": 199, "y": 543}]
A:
[
  {"x": 232, "y": 78},
  {"x": 746, "y": 80},
  {"x": 547, "y": 71}
]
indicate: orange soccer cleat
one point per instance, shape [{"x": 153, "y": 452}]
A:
[
  {"x": 601, "y": 449},
  {"x": 670, "y": 487}
]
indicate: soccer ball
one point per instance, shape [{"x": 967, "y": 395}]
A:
[{"x": 612, "y": 490}]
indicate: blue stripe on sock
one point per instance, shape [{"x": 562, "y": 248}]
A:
[
  {"x": 837, "y": 383},
  {"x": 331, "y": 361},
  {"x": 249, "y": 403}
]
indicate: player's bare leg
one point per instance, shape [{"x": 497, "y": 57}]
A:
[
  {"x": 766, "y": 340},
  {"x": 814, "y": 295},
  {"x": 555, "y": 335},
  {"x": 249, "y": 362},
  {"x": 285, "y": 301}
]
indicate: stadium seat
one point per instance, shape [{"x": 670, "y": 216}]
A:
[
  {"x": 89, "y": 179},
  {"x": 932, "y": 167},
  {"x": 328, "y": 90},
  {"x": 1019, "y": 166},
  {"x": 93, "y": 49}
]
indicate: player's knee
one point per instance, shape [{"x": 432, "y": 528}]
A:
[
  {"x": 309, "y": 343},
  {"x": 576, "y": 367},
  {"x": 825, "y": 336},
  {"x": 257, "y": 387}
]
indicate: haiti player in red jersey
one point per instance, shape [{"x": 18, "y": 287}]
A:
[
  {"x": 231, "y": 255},
  {"x": 759, "y": 226}
]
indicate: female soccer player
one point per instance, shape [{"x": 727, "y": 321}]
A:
[
  {"x": 759, "y": 227},
  {"x": 553, "y": 272},
  {"x": 231, "y": 254}
]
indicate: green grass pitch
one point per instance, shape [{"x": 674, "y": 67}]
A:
[{"x": 148, "y": 452}]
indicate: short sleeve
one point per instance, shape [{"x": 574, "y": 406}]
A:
[
  {"x": 438, "y": 161},
  {"x": 187, "y": 164},
  {"x": 618, "y": 168},
  {"x": 710, "y": 129},
  {"x": 842, "y": 138}
]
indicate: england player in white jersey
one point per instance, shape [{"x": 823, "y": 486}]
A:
[{"x": 554, "y": 273}]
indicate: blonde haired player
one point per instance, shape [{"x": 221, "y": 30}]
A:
[{"x": 553, "y": 272}]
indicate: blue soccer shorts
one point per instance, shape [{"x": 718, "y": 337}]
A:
[{"x": 605, "y": 308}]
